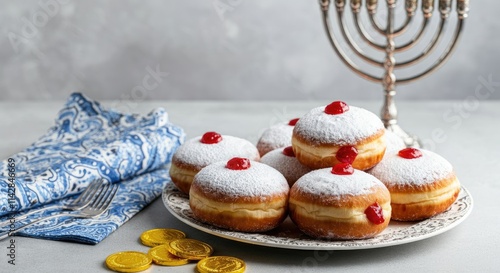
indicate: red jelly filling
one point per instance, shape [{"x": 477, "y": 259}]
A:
[
  {"x": 336, "y": 107},
  {"x": 292, "y": 122},
  {"x": 375, "y": 214},
  {"x": 238, "y": 163},
  {"x": 410, "y": 153},
  {"x": 211, "y": 138},
  {"x": 288, "y": 151},
  {"x": 347, "y": 154},
  {"x": 342, "y": 169}
]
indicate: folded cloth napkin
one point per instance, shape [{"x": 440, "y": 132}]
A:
[{"x": 89, "y": 142}]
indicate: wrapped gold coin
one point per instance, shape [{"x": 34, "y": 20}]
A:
[
  {"x": 128, "y": 261},
  {"x": 189, "y": 249},
  {"x": 159, "y": 236},
  {"x": 221, "y": 264},
  {"x": 162, "y": 256}
]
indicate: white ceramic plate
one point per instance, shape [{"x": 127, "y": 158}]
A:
[{"x": 288, "y": 236}]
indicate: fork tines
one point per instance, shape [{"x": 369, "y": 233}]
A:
[{"x": 105, "y": 199}]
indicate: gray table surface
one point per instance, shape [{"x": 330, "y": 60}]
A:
[{"x": 465, "y": 132}]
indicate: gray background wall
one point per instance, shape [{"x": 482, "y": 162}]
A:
[{"x": 212, "y": 49}]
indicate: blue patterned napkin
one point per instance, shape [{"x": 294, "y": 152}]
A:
[{"x": 89, "y": 142}]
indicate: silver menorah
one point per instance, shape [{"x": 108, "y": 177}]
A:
[{"x": 389, "y": 64}]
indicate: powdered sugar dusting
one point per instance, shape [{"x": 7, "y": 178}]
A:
[
  {"x": 395, "y": 170},
  {"x": 276, "y": 136},
  {"x": 394, "y": 142},
  {"x": 199, "y": 154},
  {"x": 323, "y": 183},
  {"x": 289, "y": 166},
  {"x": 348, "y": 128},
  {"x": 258, "y": 180}
]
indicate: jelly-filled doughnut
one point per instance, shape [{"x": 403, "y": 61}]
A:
[
  {"x": 283, "y": 160},
  {"x": 338, "y": 133},
  {"x": 422, "y": 183},
  {"x": 240, "y": 195},
  {"x": 276, "y": 136},
  {"x": 340, "y": 203},
  {"x": 201, "y": 151}
]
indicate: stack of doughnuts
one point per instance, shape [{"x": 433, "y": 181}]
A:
[{"x": 336, "y": 172}]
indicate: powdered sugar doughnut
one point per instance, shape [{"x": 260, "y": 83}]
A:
[
  {"x": 240, "y": 195},
  {"x": 283, "y": 160},
  {"x": 340, "y": 203},
  {"x": 202, "y": 151},
  {"x": 422, "y": 183},
  {"x": 276, "y": 136},
  {"x": 337, "y": 133},
  {"x": 393, "y": 143}
]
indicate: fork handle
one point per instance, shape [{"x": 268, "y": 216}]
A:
[
  {"x": 24, "y": 216},
  {"x": 12, "y": 232}
]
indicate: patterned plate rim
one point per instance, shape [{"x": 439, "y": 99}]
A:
[{"x": 397, "y": 233}]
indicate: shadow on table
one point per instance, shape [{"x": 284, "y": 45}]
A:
[{"x": 310, "y": 260}]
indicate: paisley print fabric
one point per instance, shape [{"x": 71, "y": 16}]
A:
[{"x": 88, "y": 142}]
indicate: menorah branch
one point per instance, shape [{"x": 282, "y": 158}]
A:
[
  {"x": 364, "y": 34},
  {"x": 415, "y": 38},
  {"x": 349, "y": 40},
  {"x": 428, "y": 50},
  {"x": 402, "y": 29},
  {"x": 338, "y": 49},
  {"x": 368, "y": 39},
  {"x": 375, "y": 24},
  {"x": 445, "y": 56},
  {"x": 411, "y": 6}
]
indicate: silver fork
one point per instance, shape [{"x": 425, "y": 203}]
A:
[
  {"x": 82, "y": 201},
  {"x": 97, "y": 207}
]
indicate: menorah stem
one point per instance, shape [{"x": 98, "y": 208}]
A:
[
  {"x": 389, "y": 112},
  {"x": 389, "y": 117}
]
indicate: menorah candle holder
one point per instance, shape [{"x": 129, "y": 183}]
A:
[{"x": 390, "y": 64}]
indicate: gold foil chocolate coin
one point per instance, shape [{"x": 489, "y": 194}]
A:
[
  {"x": 160, "y": 236},
  {"x": 128, "y": 261},
  {"x": 190, "y": 249},
  {"x": 162, "y": 256},
  {"x": 221, "y": 264}
]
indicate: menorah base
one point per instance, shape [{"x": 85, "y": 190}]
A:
[{"x": 409, "y": 140}]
